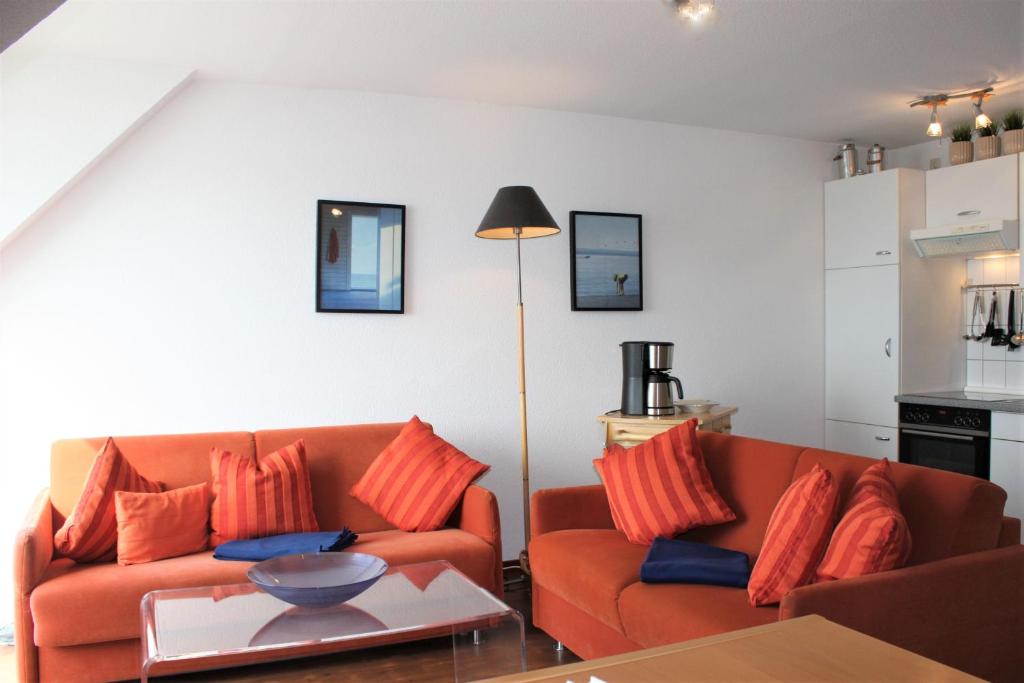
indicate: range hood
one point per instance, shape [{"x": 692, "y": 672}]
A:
[{"x": 966, "y": 238}]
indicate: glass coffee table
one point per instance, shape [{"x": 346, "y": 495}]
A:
[{"x": 195, "y": 629}]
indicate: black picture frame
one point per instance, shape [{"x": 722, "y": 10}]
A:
[
  {"x": 379, "y": 292},
  {"x": 621, "y": 295}
]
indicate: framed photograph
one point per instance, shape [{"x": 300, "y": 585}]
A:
[
  {"x": 606, "y": 261},
  {"x": 360, "y": 257}
]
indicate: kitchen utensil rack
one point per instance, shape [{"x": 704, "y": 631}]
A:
[{"x": 1004, "y": 286}]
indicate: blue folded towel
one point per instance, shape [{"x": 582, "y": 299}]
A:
[
  {"x": 671, "y": 561},
  {"x": 257, "y": 549}
]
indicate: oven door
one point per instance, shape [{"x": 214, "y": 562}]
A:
[{"x": 955, "y": 450}]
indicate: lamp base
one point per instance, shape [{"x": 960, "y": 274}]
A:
[{"x": 524, "y": 562}]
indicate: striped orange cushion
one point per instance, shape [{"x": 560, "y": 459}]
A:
[
  {"x": 418, "y": 479},
  {"x": 661, "y": 487},
  {"x": 797, "y": 534},
  {"x": 872, "y": 535},
  {"x": 90, "y": 533},
  {"x": 255, "y": 499}
]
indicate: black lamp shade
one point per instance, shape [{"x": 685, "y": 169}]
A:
[{"x": 517, "y": 206}]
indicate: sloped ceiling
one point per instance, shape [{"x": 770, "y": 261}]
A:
[{"x": 815, "y": 69}]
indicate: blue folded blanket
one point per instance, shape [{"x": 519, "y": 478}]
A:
[
  {"x": 257, "y": 549},
  {"x": 671, "y": 561}
]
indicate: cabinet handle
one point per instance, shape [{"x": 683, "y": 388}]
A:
[
  {"x": 884, "y": 252},
  {"x": 882, "y": 438},
  {"x": 888, "y": 347},
  {"x": 969, "y": 212}
]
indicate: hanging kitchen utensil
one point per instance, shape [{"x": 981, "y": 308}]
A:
[
  {"x": 1011, "y": 323},
  {"x": 999, "y": 337},
  {"x": 975, "y": 311},
  {"x": 1018, "y": 338},
  {"x": 990, "y": 326}
]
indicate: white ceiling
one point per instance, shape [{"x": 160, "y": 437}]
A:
[{"x": 815, "y": 69}]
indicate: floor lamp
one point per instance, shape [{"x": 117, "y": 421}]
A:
[{"x": 517, "y": 213}]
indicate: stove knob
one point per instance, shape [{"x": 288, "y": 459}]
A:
[
  {"x": 976, "y": 422},
  {"x": 925, "y": 417},
  {"x": 958, "y": 421}
]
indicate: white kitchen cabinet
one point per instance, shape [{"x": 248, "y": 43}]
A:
[
  {"x": 862, "y": 330},
  {"x": 870, "y": 440},
  {"x": 862, "y": 220},
  {"x": 1007, "y": 470},
  {"x": 879, "y": 293},
  {"x": 974, "y": 192}
]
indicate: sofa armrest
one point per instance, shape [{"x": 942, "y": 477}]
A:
[
  {"x": 478, "y": 514},
  {"x": 1009, "y": 532},
  {"x": 33, "y": 550},
  {"x": 574, "y": 507},
  {"x": 965, "y": 611}
]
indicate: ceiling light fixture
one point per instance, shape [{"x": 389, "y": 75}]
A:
[
  {"x": 696, "y": 11},
  {"x": 941, "y": 99}
]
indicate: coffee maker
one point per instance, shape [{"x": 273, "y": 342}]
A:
[{"x": 646, "y": 384}]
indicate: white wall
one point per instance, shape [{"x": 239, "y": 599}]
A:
[
  {"x": 59, "y": 115},
  {"x": 171, "y": 289}
]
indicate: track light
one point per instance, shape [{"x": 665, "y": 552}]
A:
[
  {"x": 941, "y": 99},
  {"x": 981, "y": 119},
  {"x": 935, "y": 126}
]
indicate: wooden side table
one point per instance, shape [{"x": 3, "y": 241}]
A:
[{"x": 629, "y": 430}]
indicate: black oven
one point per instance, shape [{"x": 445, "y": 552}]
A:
[{"x": 954, "y": 439}]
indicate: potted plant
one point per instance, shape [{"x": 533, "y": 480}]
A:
[
  {"x": 987, "y": 144},
  {"x": 961, "y": 150},
  {"x": 1013, "y": 131}
]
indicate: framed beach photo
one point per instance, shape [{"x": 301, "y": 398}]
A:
[
  {"x": 606, "y": 261},
  {"x": 360, "y": 257}
]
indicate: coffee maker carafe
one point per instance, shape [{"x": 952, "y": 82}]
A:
[{"x": 646, "y": 384}]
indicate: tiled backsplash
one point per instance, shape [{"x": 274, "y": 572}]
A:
[{"x": 993, "y": 368}]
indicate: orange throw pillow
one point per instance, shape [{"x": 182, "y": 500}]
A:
[
  {"x": 797, "y": 534},
  {"x": 418, "y": 479},
  {"x": 872, "y": 535},
  {"x": 661, "y": 487},
  {"x": 255, "y": 499},
  {"x": 90, "y": 533},
  {"x": 154, "y": 526}
]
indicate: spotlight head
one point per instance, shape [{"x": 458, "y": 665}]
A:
[{"x": 934, "y": 126}]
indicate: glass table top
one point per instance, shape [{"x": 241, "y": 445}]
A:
[{"x": 232, "y": 619}]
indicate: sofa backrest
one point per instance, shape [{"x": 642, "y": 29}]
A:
[
  {"x": 751, "y": 475},
  {"x": 948, "y": 514},
  {"x": 337, "y": 458}
]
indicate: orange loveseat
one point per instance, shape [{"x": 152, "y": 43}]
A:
[
  {"x": 80, "y": 622},
  {"x": 960, "y": 599}
]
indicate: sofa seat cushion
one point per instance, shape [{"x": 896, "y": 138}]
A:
[
  {"x": 470, "y": 554},
  {"x": 78, "y": 604},
  {"x": 659, "y": 614},
  {"x": 587, "y": 568}
]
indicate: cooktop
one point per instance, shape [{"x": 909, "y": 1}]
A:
[{"x": 966, "y": 395}]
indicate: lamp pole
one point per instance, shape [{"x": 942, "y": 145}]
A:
[{"x": 524, "y": 560}]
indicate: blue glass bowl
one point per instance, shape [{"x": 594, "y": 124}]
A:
[{"x": 318, "y": 579}]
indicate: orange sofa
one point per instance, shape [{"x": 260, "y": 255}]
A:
[
  {"x": 81, "y": 622},
  {"x": 960, "y": 599}
]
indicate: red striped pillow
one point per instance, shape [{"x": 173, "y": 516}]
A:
[
  {"x": 418, "y": 479},
  {"x": 255, "y": 499},
  {"x": 872, "y": 535},
  {"x": 90, "y": 533},
  {"x": 797, "y": 534},
  {"x": 661, "y": 487}
]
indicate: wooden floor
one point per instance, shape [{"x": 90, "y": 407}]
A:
[{"x": 421, "y": 662}]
